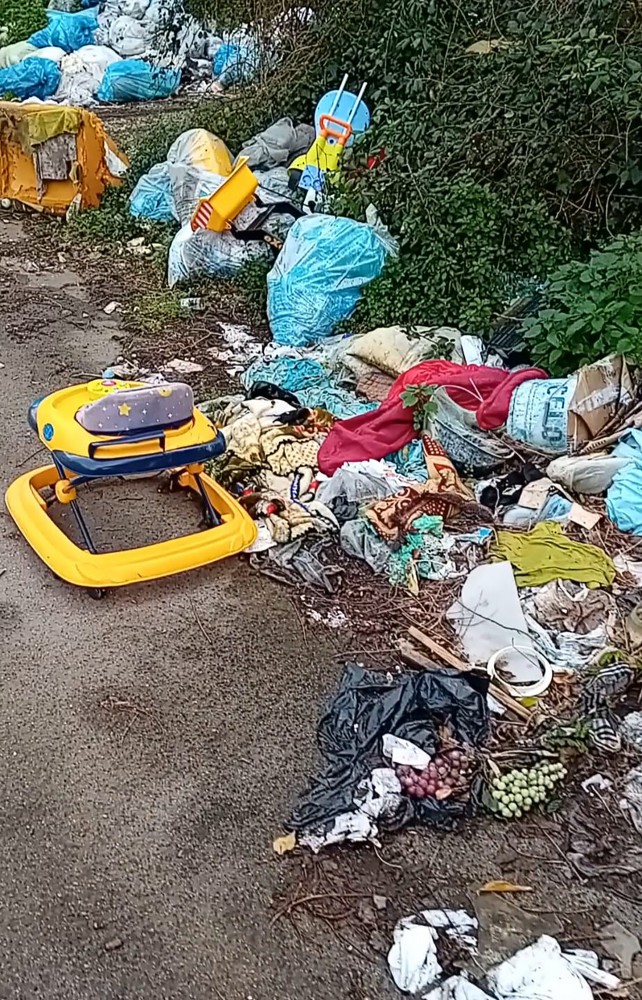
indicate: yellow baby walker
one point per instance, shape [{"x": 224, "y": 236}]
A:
[{"x": 108, "y": 428}]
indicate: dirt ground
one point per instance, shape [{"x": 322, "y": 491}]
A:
[{"x": 154, "y": 742}]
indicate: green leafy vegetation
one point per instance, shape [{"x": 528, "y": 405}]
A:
[
  {"x": 252, "y": 282},
  {"x": 591, "y": 308},
  {"x": 152, "y": 312},
  {"x": 512, "y": 139},
  {"x": 20, "y": 19},
  {"x": 419, "y": 398}
]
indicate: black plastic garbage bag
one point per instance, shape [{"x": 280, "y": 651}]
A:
[{"x": 413, "y": 706}]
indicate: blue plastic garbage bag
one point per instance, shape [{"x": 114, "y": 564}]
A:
[
  {"x": 624, "y": 495},
  {"x": 30, "y": 78},
  {"x": 67, "y": 31},
  {"x": 236, "y": 63},
  {"x": 152, "y": 196},
  {"x": 317, "y": 279},
  {"x": 137, "y": 80}
]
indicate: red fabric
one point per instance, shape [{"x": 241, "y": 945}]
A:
[{"x": 380, "y": 432}]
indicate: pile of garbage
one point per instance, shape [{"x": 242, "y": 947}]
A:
[
  {"x": 428, "y": 457},
  {"x": 198, "y": 164},
  {"x": 542, "y": 970},
  {"x": 117, "y": 51}
]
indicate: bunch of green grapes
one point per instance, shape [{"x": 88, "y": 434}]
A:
[{"x": 518, "y": 791}]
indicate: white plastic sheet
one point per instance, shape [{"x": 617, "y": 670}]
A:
[
  {"x": 488, "y": 616},
  {"x": 412, "y": 960},
  {"x": 130, "y": 38},
  {"x": 539, "y": 972}
]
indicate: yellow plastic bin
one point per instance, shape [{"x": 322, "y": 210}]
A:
[{"x": 221, "y": 208}]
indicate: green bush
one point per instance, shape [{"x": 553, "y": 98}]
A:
[
  {"x": 591, "y": 309},
  {"x": 545, "y": 118},
  {"x": 512, "y": 135},
  {"x": 20, "y": 18},
  {"x": 470, "y": 252},
  {"x": 252, "y": 282}
]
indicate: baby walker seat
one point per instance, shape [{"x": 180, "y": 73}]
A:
[{"x": 107, "y": 428}]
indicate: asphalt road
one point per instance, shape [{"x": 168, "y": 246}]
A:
[{"x": 146, "y": 761}]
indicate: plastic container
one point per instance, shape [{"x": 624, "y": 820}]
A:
[
  {"x": 538, "y": 414},
  {"x": 235, "y": 193}
]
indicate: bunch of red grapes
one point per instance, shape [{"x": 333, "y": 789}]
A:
[{"x": 447, "y": 774}]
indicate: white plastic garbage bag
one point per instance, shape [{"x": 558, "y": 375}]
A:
[
  {"x": 77, "y": 88},
  {"x": 92, "y": 59},
  {"x": 274, "y": 146},
  {"x": 49, "y": 52},
  {"x": 539, "y": 972},
  {"x": 130, "y": 38},
  {"x": 11, "y": 55},
  {"x": 590, "y": 474},
  {"x": 133, "y": 8}
]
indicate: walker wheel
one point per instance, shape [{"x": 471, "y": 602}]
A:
[
  {"x": 65, "y": 492},
  {"x": 97, "y": 593}
]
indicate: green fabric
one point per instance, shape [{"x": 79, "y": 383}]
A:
[
  {"x": 546, "y": 554},
  {"x": 421, "y": 556},
  {"x": 39, "y": 124}
]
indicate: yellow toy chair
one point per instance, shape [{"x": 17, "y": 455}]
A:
[{"x": 106, "y": 429}]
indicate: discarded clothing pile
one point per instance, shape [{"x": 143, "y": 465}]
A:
[
  {"x": 487, "y": 391},
  {"x": 272, "y": 450}
]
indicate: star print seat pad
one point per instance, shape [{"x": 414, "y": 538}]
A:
[{"x": 128, "y": 410}]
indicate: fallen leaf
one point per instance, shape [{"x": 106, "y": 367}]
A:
[
  {"x": 487, "y": 45},
  {"x": 501, "y": 886},
  {"x": 284, "y": 844}
]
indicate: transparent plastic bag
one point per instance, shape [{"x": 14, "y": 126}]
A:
[
  {"x": 206, "y": 254},
  {"x": 188, "y": 185},
  {"x": 199, "y": 148},
  {"x": 152, "y": 196}
]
